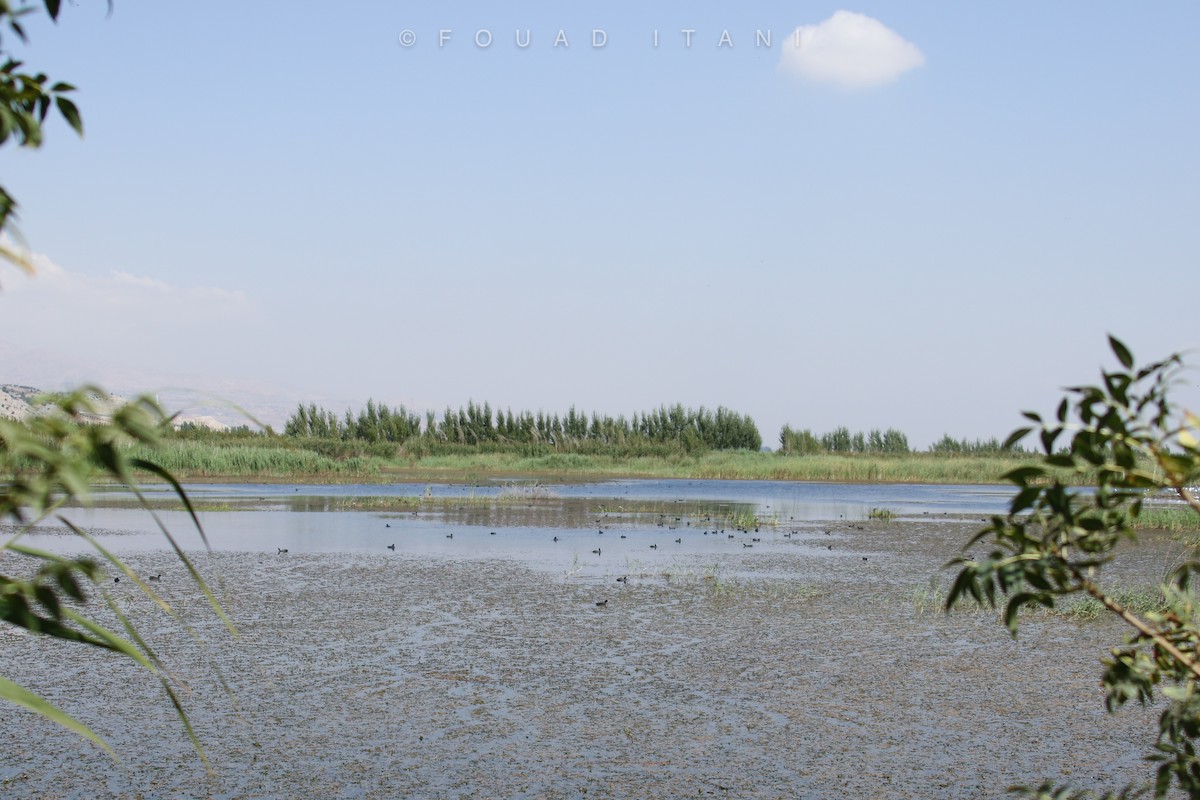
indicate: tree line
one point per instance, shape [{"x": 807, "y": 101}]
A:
[
  {"x": 840, "y": 440},
  {"x": 476, "y": 424},
  {"x": 672, "y": 427}
]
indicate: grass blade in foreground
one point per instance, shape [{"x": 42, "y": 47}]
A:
[
  {"x": 52, "y": 460},
  {"x": 19, "y": 695}
]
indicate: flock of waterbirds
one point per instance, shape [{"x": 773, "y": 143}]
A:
[{"x": 741, "y": 534}]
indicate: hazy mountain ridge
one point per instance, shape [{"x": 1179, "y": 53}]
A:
[
  {"x": 14, "y": 400},
  {"x": 17, "y": 401}
]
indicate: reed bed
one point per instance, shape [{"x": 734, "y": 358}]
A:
[
  {"x": 1174, "y": 518},
  {"x": 206, "y": 459},
  {"x": 296, "y": 460}
]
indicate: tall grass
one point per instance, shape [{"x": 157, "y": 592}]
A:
[
  {"x": 1174, "y": 518},
  {"x": 205, "y": 459},
  {"x": 1140, "y": 601},
  {"x": 304, "y": 459}
]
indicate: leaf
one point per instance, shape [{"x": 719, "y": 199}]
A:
[
  {"x": 1022, "y": 475},
  {"x": 964, "y": 584},
  {"x": 213, "y": 603},
  {"x": 15, "y": 693},
  {"x": 109, "y": 639},
  {"x": 118, "y": 563},
  {"x": 52, "y": 8},
  {"x": 1024, "y": 499},
  {"x": 1016, "y": 436},
  {"x": 70, "y": 113},
  {"x": 1121, "y": 352},
  {"x": 150, "y": 466},
  {"x": 1012, "y": 609},
  {"x": 1021, "y": 599},
  {"x": 49, "y": 600},
  {"x": 1187, "y": 438},
  {"x": 1049, "y": 435}
]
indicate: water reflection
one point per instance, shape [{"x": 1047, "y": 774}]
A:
[{"x": 537, "y": 524}]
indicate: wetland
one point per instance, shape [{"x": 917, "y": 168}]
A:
[{"x": 482, "y": 658}]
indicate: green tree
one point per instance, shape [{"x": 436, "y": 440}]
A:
[
  {"x": 25, "y": 100},
  {"x": 51, "y": 460},
  {"x": 1128, "y": 440}
]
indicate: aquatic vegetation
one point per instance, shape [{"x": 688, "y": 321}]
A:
[
  {"x": 210, "y": 454},
  {"x": 1175, "y": 518},
  {"x": 929, "y": 598},
  {"x": 209, "y": 459},
  {"x": 1141, "y": 601}
]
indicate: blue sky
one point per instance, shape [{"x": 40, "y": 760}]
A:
[{"x": 281, "y": 202}]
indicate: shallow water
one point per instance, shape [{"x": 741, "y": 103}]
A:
[
  {"x": 481, "y": 666},
  {"x": 523, "y": 522}
]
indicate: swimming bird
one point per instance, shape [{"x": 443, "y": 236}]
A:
[
  {"x": 679, "y": 541},
  {"x": 653, "y": 547},
  {"x": 392, "y": 546},
  {"x": 449, "y": 535},
  {"x": 623, "y": 579},
  {"x": 492, "y": 532},
  {"x": 116, "y": 580},
  {"x": 596, "y": 551},
  {"x": 602, "y": 603},
  {"x": 282, "y": 549},
  {"x": 622, "y": 536},
  {"x": 556, "y": 538},
  {"x": 155, "y": 577},
  {"x": 747, "y": 544},
  {"x": 387, "y": 524}
]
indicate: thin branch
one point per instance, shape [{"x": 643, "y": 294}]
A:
[
  {"x": 1189, "y": 498},
  {"x": 1150, "y": 633}
]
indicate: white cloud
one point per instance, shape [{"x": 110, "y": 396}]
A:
[
  {"x": 84, "y": 296},
  {"x": 119, "y": 318},
  {"x": 850, "y": 50}
]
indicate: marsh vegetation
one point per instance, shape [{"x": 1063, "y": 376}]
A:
[{"x": 382, "y": 443}]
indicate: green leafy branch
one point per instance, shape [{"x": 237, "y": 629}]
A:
[
  {"x": 1055, "y": 540},
  {"x": 25, "y": 101}
]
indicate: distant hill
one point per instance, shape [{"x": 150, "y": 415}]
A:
[{"x": 16, "y": 402}]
